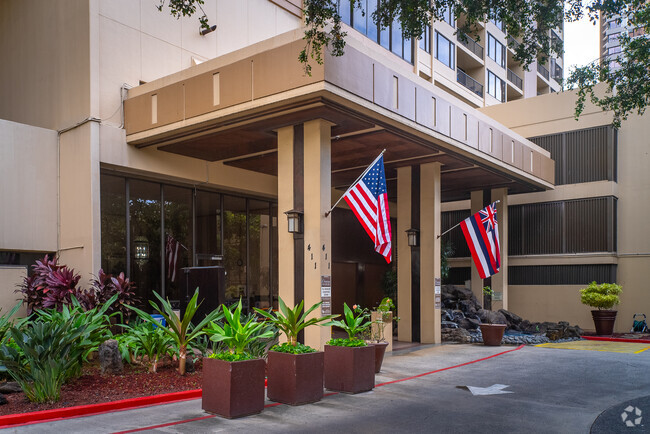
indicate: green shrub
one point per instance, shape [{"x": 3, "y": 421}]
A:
[
  {"x": 347, "y": 342},
  {"x": 50, "y": 353},
  {"x": 145, "y": 339},
  {"x": 351, "y": 323},
  {"x": 604, "y": 296},
  {"x": 293, "y": 349}
]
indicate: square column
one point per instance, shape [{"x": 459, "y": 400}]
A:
[
  {"x": 500, "y": 280},
  {"x": 286, "y": 264},
  {"x": 430, "y": 216},
  {"x": 318, "y": 228},
  {"x": 404, "y": 283},
  {"x": 477, "y": 283}
]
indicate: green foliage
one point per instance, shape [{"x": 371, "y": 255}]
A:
[
  {"x": 603, "y": 296},
  {"x": 150, "y": 341},
  {"x": 185, "y": 8},
  {"x": 180, "y": 330},
  {"x": 290, "y": 321},
  {"x": 347, "y": 342},
  {"x": 293, "y": 349},
  {"x": 389, "y": 283},
  {"x": 235, "y": 334},
  {"x": 49, "y": 353},
  {"x": 446, "y": 251},
  {"x": 6, "y": 322},
  {"x": 232, "y": 357},
  {"x": 353, "y": 323}
]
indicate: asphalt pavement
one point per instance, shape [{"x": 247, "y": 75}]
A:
[{"x": 525, "y": 390}]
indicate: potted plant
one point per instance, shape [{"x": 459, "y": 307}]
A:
[
  {"x": 350, "y": 362},
  {"x": 295, "y": 371},
  {"x": 603, "y": 297},
  {"x": 378, "y": 336},
  {"x": 233, "y": 380},
  {"x": 492, "y": 333}
]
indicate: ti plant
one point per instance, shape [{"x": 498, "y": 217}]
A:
[
  {"x": 351, "y": 323},
  {"x": 238, "y": 335},
  {"x": 291, "y": 322},
  {"x": 180, "y": 330}
]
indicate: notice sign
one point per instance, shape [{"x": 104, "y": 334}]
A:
[
  {"x": 326, "y": 295},
  {"x": 437, "y": 283},
  {"x": 436, "y": 301}
]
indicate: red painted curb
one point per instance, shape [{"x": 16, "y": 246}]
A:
[
  {"x": 85, "y": 410},
  {"x": 630, "y": 341}
]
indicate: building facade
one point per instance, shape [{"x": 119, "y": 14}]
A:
[{"x": 122, "y": 126}]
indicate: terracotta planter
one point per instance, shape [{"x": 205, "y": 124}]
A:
[
  {"x": 349, "y": 369},
  {"x": 380, "y": 350},
  {"x": 492, "y": 334},
  {"x": 233, "y": 389},
  {"x": 604, "y": 321},
  {"x": 295, "y": 379}
]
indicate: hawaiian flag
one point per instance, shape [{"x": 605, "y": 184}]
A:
[
  {"x": 482, "y": 236},
  {"x": 171, "y": 256},
  {"x": 369, "y": 202}
]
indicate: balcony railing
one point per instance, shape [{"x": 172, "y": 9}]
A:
[
  {"x": 515, "y": 79},
  {"x": 512, "y": 42},
  {"x": 469, "y": 83},
  {"x": 543, "y": 71},
  {"x": 471, "y": 44},
  {"x": 557, "y": 72}
]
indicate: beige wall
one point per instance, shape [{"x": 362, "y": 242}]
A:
[
  {"x": 10, "y": 276},
  {"x": 44, "y": 74},
  {"x": 28, "y": 189},
  {"x": 553, "y": 113}
]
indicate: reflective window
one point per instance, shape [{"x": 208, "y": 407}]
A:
[
  {"x": 445, "y": 51},
  {"x": 113, "y": 223},
  {"x": 234, "y": 248},
  {"x": 208, "y": 228},
  {"x": 496, "y": 87},
  {"x": 178, "y": 239},
  {"x": 425, "y": 40},
  {"x": 496, "y": 51},
  {"x": 448, "y": 17}
]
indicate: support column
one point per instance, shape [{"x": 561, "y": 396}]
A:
[
  {"x": 500, "y": 280},
  {"x": 285, "y": 203},
  {"x": 318, "y": 228},
  {"x": 430, "y": 216},
  {"x": 404, "y": 329},
  {"x": 477, "y": 282}
]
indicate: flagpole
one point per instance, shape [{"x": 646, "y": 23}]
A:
[
  {"x": 458, "y": 224},
  {"x": 355, "y": 181}
]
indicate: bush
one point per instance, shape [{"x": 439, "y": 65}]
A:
[
  {"x": 603, "y": 296},
  {"x": 145, "y": 339}
]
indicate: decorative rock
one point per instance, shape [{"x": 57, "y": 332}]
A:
[
  {"x": 491, "y": 317},
  {"x": 189, "y": 364},
  {"x": 3, "y": 400},
  {"x": 468, "y": 323},
  {"x": 10, "y": 387},
  {"x": 456, "y": 335},
  {"x": 110, "y": 359}
]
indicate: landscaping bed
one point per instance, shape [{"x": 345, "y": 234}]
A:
[{"x": 93, "y": 387}]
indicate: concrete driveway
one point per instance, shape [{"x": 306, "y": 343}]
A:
[{"x": 552, "y": 390}]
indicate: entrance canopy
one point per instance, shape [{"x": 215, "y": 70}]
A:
[{"x": 229, "y": 109}]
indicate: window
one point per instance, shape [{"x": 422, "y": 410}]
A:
[
  {"x": 425, "y": 40},
  {"x": 496, "y": 87},
  {"x": 448, "y": 17},
  {"x": 614, "y": 50},
  {"x": 496, "y": 20},
  {"x": 361, "y": 20},
  {"x": 496, "y": 51},
  {"x": 613, "y": 37},
  {"x": 445, "y": 51}
]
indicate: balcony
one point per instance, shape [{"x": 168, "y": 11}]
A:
[
  {"x": 513, "y": 43},
  {"x": 515, "y": 79},
  {"x": 470, "y": 44},
  {"x": 543, "y": 71},
  {"x": 556, "y": 71},
  {"x": 469, "y": 83}
]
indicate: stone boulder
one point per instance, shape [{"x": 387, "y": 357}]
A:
[
  {"x": 513, "y": 320},
  {"x": 491, "y": 317},
  {"x": 456, "y": 335},
  {"x": 110, "y": 359},
  {"x": 10, "y": 387},
  {"x": 468, "y": 323}
]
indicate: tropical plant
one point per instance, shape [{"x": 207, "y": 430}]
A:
[
  {"x": 385, "y": 308},
  {"x": 291, "y": 322},
  {"x": 147, "y": 339},
  {"x": 603, "y": 297},
  {"x": 6, "y": 321},
  {"x": 50, "y": 352},
  {"x": 180, "y": 330},
  {"x": 107, "y": 285},
  {"x": 237, "y": 335},
  {"x": 353, "y": 324},
  {"x": 49, "y": 286}
]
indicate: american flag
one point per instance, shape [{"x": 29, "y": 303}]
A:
[
  {"x": 369, "y": 202},
  {"x": 482, "y": 235},
  {"x": 171, "y": 256}
]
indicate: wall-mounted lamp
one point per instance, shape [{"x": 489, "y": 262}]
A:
[
  {"x": 412, "y": 236},
  {"x": 205, "y": 31},
  {"x": 294, "y": 220},
  {"x": 141, "y": 249}
]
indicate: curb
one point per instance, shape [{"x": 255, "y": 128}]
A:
[
  {"x": 103, "y": 407},
  {"x": 629, "y": 341}
]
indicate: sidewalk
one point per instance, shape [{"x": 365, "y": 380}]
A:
[{"x": 425, "y": 391}]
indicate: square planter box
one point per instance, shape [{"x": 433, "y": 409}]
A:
[
  {"x": 295, "y": 379},
  {"x": 233, "y": 389},
  {"x": 349, "y": 369}
]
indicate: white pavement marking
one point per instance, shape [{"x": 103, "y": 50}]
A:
[{"x": 495, "y": 389}]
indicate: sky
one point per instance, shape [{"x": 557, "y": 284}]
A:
[{"x": 580, "y": 43}]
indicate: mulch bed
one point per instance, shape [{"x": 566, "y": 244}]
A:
[{"x": 93, "y": 387}]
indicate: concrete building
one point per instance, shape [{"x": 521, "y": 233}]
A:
[{"x": 122, "y": 125}]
